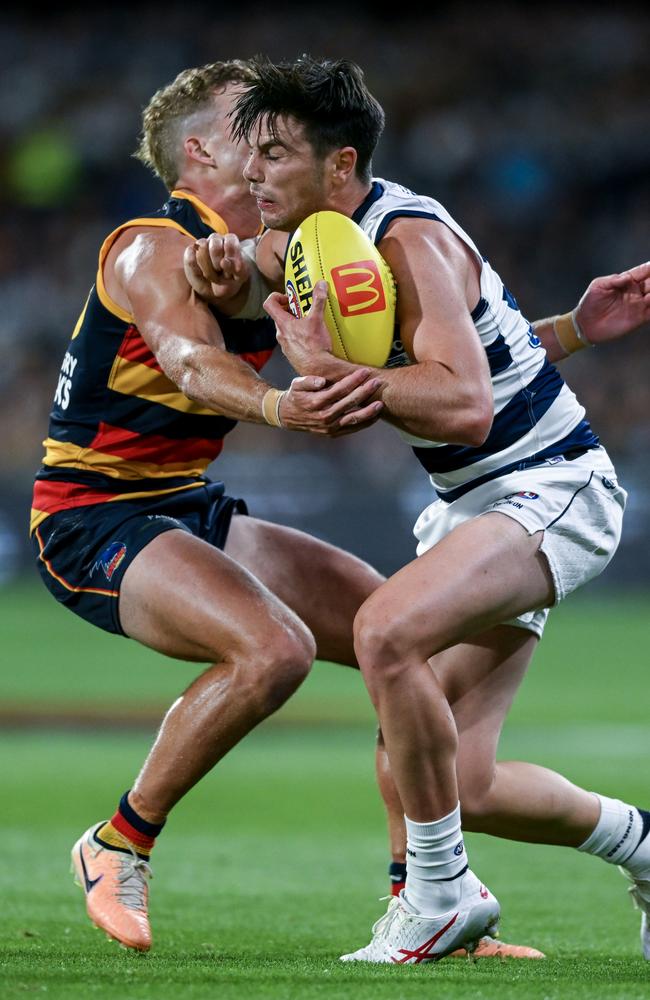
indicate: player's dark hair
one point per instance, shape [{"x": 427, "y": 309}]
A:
[{"x": 328, "y": 97}]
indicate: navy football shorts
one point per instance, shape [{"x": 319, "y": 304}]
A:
[{"x": 83, "y": 553}]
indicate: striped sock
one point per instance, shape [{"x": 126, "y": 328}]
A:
[
  {"x": 397, "y": 876},
  {"x": 127, "y": 825}
]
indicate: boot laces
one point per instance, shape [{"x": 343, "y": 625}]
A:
[{"x": 132, "y": 882}]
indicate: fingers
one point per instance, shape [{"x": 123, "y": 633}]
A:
[
  {"x": 308, "y": 383},
  {"x": 350, "y": 391},
  {"x": 359, "y": 419},
  {"x": 348, "y": 400},
  {"x": 318, "y": 299},
  {"x": 219, "y": 258},
  {"x": 276, "y": 305},
  {"x": 634, "y": 276},
  {"x": 358, "y": 384},
  {"x": 193, "y": 272},
  {"x": 226, "y": 255},
  {"x": 641, "y": 272}
]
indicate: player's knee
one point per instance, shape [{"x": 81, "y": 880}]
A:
[
  {"x": 378, "y": 642},
  {"x": 283, "y": 663}
]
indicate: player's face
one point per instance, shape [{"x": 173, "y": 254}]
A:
[
  {"x": 229, "y": 156},
  {"x": 286, "y": 178}
]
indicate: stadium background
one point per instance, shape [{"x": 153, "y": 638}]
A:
[
  {"x": 533, "y": 128},
  {"x": 534, "y": 133}
]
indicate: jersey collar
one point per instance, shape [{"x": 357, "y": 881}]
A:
[{"x": 207, "y": 215}]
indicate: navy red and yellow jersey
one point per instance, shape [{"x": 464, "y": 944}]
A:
[{"x": 119, "y": 428}]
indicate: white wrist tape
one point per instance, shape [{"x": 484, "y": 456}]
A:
[{"x": 258, "y": 290}]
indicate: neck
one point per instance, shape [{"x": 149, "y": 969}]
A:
[
  {"x": 348, "y": 200},
  {"x": 235, "y": 206}
]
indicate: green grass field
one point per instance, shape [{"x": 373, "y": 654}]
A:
[{"x": 274, "y": 864}]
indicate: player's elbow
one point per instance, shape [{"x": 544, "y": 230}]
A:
[
  {"x": 477, "y": 429},
  {"x": 475, "y": 421},
  {"x": 187, "y": 370}
]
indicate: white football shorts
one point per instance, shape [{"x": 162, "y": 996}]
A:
[{"x": 577, "y": 503}]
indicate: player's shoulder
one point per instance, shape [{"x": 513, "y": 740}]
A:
[
  {"x": 391, "y": 194},
  {"x": 387, "y": 201},
  {"x": 144, "y": 248}
]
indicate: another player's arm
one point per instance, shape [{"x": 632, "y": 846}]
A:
[
  {"x": 446, "y": 394},
  {"x": 186, "y": 340},
  {"x": 611, "y": 307}
]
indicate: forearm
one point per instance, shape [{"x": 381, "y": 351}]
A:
[
  {"x": 217, "y": 380},
  {"x": 427, "y": 400},
  {"x": 224, "y": 383}
]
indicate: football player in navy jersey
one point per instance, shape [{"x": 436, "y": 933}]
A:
[{"x": 528, "y": 506}]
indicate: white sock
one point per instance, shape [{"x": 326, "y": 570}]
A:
[
  {"x": 435, "y": 860},
  {"x": 621, "y": 836}
]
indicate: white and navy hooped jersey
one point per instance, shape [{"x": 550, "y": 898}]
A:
[{"x": 536, "y": 416}]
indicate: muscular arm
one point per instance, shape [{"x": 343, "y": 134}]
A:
[
  {"x": 179, "y": 328},
  {"x": 446, "y": 394},
  {"x": 144, "y": 274}
]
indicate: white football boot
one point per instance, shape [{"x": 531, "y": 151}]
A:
[
  {"x": 402, "y": 937},
  {"x": 640, "y": 893}
]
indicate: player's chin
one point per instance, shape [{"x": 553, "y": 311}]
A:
[{"x": 274, "y": 217}]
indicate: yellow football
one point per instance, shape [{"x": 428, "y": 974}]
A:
[{"x": 360, "y": 308}]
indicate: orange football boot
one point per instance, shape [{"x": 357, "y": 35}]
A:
[
  {"x": 115, "y": 884},
  {"x": 491, "y": 948}
]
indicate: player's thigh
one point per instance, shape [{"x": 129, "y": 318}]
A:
[
  {"x": 324, "y": 585},
  {"x": 483, "y": 573},
  {"x": 185, "y": 598},
  {"x": 480, "y": 678}
]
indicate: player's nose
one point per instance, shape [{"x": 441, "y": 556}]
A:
[{"x": 252, "y": 171}]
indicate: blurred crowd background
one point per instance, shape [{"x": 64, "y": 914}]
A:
[{"x": 531, "y": 124}]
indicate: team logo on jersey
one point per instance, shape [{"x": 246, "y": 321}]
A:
[
  {"x": 294, "y": 301},
  {"x": 533, "y": 339},
  {"x": 110, "y": 559},
  {"x": 358, "y": 288}
]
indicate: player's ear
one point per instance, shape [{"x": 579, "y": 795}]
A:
[
  {"x": 342, "y": 163},
  {"x": 195, "y": 149}
]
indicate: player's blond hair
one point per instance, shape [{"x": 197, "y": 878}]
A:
[{"x": 170, "y": 107}]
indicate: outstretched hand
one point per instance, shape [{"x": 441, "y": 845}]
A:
[
  {"x": 615, "y": 305},
  {"x": 305, "y": 342}
]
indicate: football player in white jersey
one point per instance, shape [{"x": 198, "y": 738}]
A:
[{"x": 528, "y": 506}]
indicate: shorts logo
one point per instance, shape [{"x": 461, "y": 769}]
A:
[
  {"x": 526, "y": 495},
  {"x": 110, "y": 559},
  {"x": 294, "y": 301},
  {"x": 358, "y": 288}
]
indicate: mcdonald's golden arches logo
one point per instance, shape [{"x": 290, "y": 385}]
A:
[{"x": 359, "y": 288}]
